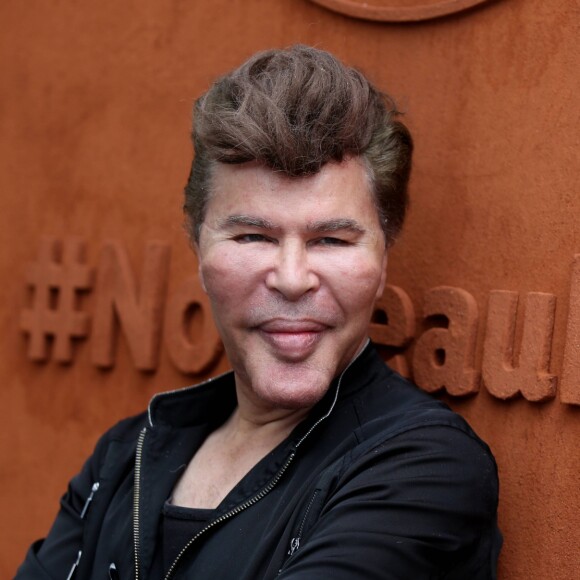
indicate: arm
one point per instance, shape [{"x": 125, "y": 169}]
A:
[
  {"x": 421, "y": 505},
  {"x": 55, "y": 556}
]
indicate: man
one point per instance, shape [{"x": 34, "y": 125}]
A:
[{"x": 312, "y": 459}]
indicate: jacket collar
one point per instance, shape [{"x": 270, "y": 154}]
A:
[{"x": 212, "y": 401}]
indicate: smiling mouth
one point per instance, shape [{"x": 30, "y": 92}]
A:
[{"x": 292, "y": 339}]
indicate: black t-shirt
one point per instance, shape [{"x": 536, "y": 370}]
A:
[{"x": 178, "y": 525}]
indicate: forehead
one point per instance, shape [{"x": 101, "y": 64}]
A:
[{"x": 337, "y": 190}]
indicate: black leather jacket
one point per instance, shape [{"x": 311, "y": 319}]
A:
[{"x": 380, "y": 481}]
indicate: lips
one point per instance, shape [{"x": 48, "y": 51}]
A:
[{"x": 292, "y": 339}]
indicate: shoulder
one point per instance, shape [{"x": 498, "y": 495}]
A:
[
  {"x": 117, "y": 444},
  {"x": 416, "y": 483},
  {"x": 125, "y": 430},
  {"x": 413, "y": 434},
  {"x": 389, "y": 405}
]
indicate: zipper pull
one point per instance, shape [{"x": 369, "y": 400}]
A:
[
  {"x": 294, "y": 545},
  {"x": 73, "y": 570},
  {"x": 89, "y": 500},
  {"x": 113, "y": 574}
]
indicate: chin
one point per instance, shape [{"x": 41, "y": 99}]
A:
[{"x": 293, "y": 390}]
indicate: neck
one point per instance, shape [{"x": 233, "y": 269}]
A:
[{"x": 252, "y": 422}]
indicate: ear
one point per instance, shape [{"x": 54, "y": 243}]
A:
[{"x": 383, "y": 279}]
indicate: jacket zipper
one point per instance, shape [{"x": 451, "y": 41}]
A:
[
  {"x": 94, "y": 488},
  {"x": 240, "y": 508},
  {"x": 243, "y": 506},
  {"x": 113, "y": 573},
  {"x": 89, "y": 499},
  {"x": 295, "y": 542},
  {"x": 136, "y": 497},
  {"x": 73, "y": 570},
  {"x": 260, "y": 494}
]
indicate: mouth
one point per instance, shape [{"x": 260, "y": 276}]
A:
[{"x": 292, "y": 339}]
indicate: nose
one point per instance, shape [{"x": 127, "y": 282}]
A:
[{"x": 291, "y": 274}]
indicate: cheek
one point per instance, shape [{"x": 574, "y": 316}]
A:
[
  {"x": 227, "y": 277},
  {"x": 358, "y": 296},
  {"x": 356, "y": 287}
]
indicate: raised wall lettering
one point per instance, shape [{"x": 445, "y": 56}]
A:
[
  {"x": 444, "y": 357},
  {"x": 570, "y": 383},
  {"x": 505, "y": 375},
  {"x": 139, "y": 310},
  {"x": 56, "y": 278},
  {"x": 191, "y": 337},
  {"x": 393, "y": 325},
  {"x": 394, "y": 319}
]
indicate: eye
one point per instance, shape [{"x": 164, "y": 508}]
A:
[
  {"x": 249, "y": 238},
  {"x": 330, "y": 241}
]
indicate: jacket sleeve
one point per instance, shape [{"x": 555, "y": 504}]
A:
[
  {"x": 421, "y": 506},
  {"x": 54, "y": 557}
]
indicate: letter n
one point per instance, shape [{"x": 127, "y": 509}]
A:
[{"x": 139, "y": 310}]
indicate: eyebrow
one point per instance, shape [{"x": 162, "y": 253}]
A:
[
  {"x": 246, "y": 220},
  {"x": 335, "y": 225},
  {"x": 321, "y": 226}
]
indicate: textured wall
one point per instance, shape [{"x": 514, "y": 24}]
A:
[{"x": 99, "y": 304}]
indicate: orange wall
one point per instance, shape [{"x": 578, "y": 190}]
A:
[{"x": 94, "y": 151}]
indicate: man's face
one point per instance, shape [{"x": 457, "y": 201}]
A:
[{"x": 292, "y": 267}]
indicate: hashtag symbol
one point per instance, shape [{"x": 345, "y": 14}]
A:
[{"x": 55, "y": 280}]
